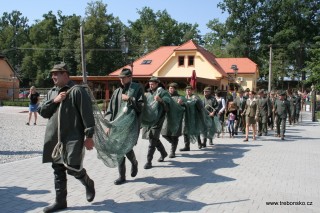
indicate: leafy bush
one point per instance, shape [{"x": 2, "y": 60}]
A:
[{"x": 16, "y": 103}]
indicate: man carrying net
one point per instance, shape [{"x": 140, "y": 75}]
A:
[
  {"x": 154, "y": 113},
  {"x": 125, "y": 100}
]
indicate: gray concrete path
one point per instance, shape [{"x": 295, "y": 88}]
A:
[{"x": 267, "y": 175}]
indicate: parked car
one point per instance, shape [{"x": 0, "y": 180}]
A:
[{"x": 23, "y": 94}]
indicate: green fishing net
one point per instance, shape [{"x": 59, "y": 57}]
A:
[
  {"x": 112, "y": 147},
  {"x": 152, "y": 111}
]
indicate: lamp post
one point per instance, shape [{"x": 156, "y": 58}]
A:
[
  {"x": 125, "y": 50},
  {"x": 235, "y": 69}
]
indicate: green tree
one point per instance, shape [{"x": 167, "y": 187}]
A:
[
  {"x": 13, "y": 34},
  {"x": 313, "y": 65},
  {"x": 103, "y": 35}
]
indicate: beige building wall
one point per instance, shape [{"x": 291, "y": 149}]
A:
[{"x": 202, "y": 67}]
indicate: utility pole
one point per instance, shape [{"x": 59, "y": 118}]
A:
[
  {"x": 83, "y": 57},
  {"x": 270, "y": 68}
]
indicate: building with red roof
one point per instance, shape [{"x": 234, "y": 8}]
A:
[{"x": 177, "y": 63}]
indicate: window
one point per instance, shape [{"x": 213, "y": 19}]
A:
[
  {"x": 146, "y": 62},
  {"x": 181, "y": 60},
  {"x": 190, "y": 60}
]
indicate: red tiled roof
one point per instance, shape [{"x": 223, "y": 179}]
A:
[
  {"x": 245, "y": 65},
  {"x": 160, "y": 55},
  {"x": 157, "y": 57}
]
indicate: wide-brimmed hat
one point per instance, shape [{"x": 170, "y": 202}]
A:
[
  {"x": 154, "y": 79},
  {"x": 61, "y": 67},
  {"x": 125, "y": 73}
]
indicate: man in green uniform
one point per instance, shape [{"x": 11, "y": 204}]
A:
[
  {"x": 298, "y": 106},
  {"x": 272, "y": 99},
  {"x": 152, "y": 133},
  {"x": 70, "y": 128},
  {"x": 192, "y": 119},
  {"x": 264, "y": 105},
  {"x": 172, "y": 134},
  {"x": 211, "y": 106},
  {"x": 281, "y": 109},
  {"x": 292, "y": 101},
  {"x": 240, "y": 100},
  {"x": 131, "y": 93}
]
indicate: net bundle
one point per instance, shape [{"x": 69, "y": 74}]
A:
[
  {"x": 112, "y": 147},
  {"x": 174, "y": 117},
  {"x": 209, "y": 126},
  {"x": 194, "y": 120},
  {"x": 152, "y": 111}
]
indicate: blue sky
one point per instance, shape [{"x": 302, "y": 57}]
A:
[{"x": 199, "y": 11}]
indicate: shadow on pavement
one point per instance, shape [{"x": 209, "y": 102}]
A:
[
  {"x": 14, "y": 195},
  {"x": 19, "y": 152},
  {"x": 171, "y": 193}
]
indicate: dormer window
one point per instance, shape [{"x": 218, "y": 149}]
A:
[
  {"x": 190, "y": 60},
  {"x": 146, "y": 62},
  {"x": 181, "y": 60}
]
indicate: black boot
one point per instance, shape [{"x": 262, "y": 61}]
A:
[
  {"x": 162, "y": 151},
  {"x": 60, "y": 185},
  {"x": 132, "y": 158},
  {"x": 174, "y": 145},
  {"x": 122, "y": 173},
  {"x": 199, "y": 142},
  {"x": 151, "y": 151},
  {"x": 89, "y": 184},
  {"x": 186, "y": 144},
  {"x": 210, "y": 142},
  {"x": 204, "y": 143}
]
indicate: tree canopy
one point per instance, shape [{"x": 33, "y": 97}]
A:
[{"x": 290, "y": 27}]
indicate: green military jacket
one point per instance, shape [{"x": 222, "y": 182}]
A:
[
  {"x": 282, "y": 108},
  {"x": 153, "y": 132},
  {"x": 178, "y": 116},
  {"x": 241, "y": 103},
  {"x": 76, "y": 122},
  {"x": 251, "y": 110},
  {"x": 264, "y": 107}
]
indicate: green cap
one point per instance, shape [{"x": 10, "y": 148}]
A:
[
  {"x": 61, "y": 67},
  {"x": 282, "y": 93},
  {"x": 173, "y": 84},
  {"x": 207, "y": 89},
  {"x": 188, "y": 87},
  {"x": 154, "y": 79},
  {"x": 125, "y": 73}
]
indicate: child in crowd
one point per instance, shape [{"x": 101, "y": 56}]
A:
[{"x": 232, "y": 118}]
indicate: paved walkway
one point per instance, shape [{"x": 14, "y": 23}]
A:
[{"x": 267, "y": 175}]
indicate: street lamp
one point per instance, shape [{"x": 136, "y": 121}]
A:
[
  {"x": 124, "y": 45},
  {"x": 125, "y": 50},
  {"x": 235, "y": 69}
]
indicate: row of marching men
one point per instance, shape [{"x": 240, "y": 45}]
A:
[
  {"x": 165, "y": 112},
  {"x": 161, "y": 112}
]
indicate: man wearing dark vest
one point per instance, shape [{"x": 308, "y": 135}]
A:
[{"x": 281, "y": 109}]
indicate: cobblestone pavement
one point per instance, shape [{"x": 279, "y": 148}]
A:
[{"x": 266, "y": 175}]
